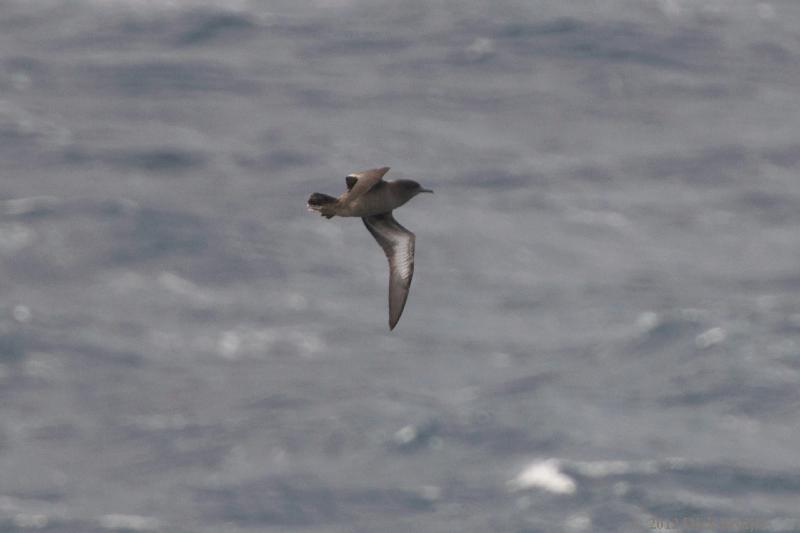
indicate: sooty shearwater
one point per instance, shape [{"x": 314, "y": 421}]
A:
[{"x": 373, "y": 199}]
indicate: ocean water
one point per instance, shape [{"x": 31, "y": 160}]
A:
[{"x": 603, "y": 333}]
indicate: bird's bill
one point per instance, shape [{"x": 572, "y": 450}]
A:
[{"x": 426, "y": 190}]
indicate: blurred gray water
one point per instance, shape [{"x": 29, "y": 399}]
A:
[{"x": 603, "y": 329}]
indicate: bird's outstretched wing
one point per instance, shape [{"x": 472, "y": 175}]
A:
[
  {"x": 398, "y": 245},
  {"x": 360, "y": 182}
]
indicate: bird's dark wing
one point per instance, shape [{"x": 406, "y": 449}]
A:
[
  {"x": 398, "y": 245},
  {"x": 358, "y": 184}
]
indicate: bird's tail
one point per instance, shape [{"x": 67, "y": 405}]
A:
[{"x": 322, "y": 204}]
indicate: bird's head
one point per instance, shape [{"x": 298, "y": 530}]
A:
[{"x": 412, "y": 188}]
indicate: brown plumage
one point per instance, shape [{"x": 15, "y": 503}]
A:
[{"x": 373, "y": 199}]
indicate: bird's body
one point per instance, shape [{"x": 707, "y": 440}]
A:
[
  {"x": 367, "y": 194},
  {"x": 373, "y": 199},
  {"x": 383, "y": 198}
]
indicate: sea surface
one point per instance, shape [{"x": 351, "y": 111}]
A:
[{"x": 603, "y": 333}]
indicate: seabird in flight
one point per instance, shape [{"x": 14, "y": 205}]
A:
[{"x": 373, "y": 199}]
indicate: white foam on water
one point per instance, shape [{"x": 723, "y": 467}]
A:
[
  {"x": 430, "y": 493},
  {"x": 44, "y": 366},
  {"x": 307, "y": 343},
  {"x": 600, "y": 469},
  {"x": 647, "y": 321},
  {"x": 480, "y": 48},
  {"x": 22, "y": 313},
  {"x": 15, "y": 237},
  {"x": 30, "y": 520},
  {"x": 23, "y": 206},
  {"x": 544, "y": 475},
  {"x": 183, "y": 287},
  {"x": 621, "y": 488},
  {"x": 229, "y": 344},
  {"x": 405, "y": 435},
  {"x": 710, "y": 338},
  {"x": 579, "y": 522},
  {"x": 32, "y": 126},
  {"x": 245, "y": 341}
]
